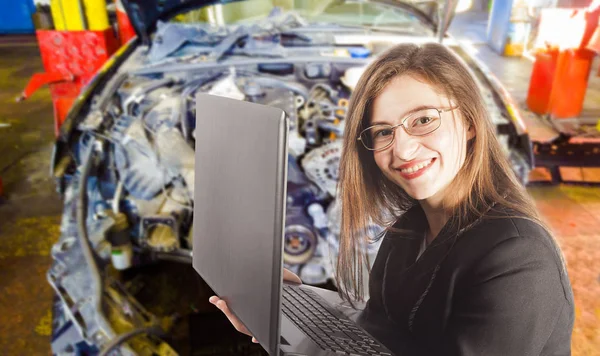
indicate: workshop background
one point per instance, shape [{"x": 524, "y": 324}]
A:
[{"x": 552, "y": 72}]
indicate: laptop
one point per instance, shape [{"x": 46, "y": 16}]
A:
[{"x": 239, "y": 221}]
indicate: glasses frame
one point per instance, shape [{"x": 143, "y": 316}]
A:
[{"x": 394, "y": 127}]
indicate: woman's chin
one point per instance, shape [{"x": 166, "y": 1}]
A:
[{"x": 420, "y": 194}]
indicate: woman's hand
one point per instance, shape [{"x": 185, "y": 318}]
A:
[{"x": 237, "y": 324}]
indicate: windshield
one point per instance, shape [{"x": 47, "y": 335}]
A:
[{"x": 338, "y": 12}]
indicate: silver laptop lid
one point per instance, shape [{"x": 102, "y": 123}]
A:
[{"x": 239, "y": 208}]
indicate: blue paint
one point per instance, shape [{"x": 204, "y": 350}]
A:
[
  {"x": 359, "y": 52},
  {"x": 15, "y": 16}
]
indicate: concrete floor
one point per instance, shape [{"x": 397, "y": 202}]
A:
[
  {"x": 30, "y": 211},
  {"x": 30, "y": 214}
]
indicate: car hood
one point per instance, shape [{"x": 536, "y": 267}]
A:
[{"x": 144, "y": 14}]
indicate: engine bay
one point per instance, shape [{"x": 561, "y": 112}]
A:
[{"x": 138, "y": 147}]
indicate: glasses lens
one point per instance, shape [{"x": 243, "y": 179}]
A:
[
  {"x": 423, "y": 122},
  {"x": 378, "y": 136}
]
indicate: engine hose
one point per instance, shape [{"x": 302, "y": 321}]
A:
[
  {"x": 178, "y": 255},
  {"x": 117, "y": 197},
  {"x": 278, "y": 83},
  {"x": 117, "y": 341},
  {"x": 82, "y": 235},
  {"x": 140, "y": 92}
]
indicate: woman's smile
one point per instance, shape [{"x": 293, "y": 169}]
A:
[{"x": 416, "y": 169}]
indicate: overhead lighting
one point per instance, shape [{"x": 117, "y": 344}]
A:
[{"x": 464, "y": 5}]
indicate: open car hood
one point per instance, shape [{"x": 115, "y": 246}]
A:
[
  {"x": 440, "y": 12},
  {"x": 144, "y": 14}
]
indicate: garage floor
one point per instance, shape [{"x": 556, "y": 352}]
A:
[{"x": 30, "y": 214}]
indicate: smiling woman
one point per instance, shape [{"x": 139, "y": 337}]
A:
[{"x": 465, "y": 266}]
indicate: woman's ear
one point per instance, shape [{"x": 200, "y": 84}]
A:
[{"x": 470, "y": 132}]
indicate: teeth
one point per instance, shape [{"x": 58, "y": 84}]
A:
[{"x": 416, "y": 168}]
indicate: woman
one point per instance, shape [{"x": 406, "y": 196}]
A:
[{"x": 466, "y": 267}]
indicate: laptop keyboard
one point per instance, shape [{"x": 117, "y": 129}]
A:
[{"x": 312, "y": 315}]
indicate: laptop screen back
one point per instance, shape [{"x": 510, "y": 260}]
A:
[{"x": 239, "y": 208}]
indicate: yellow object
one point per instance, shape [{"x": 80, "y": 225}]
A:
[
  {"x": 57, "y": 15},
  {"x": 96, "y": 15},
  {"x": 513, "y": 50},
  {"x": 341, "y": 52},
  {"x": 73, "y": 15},
  {"x": 44, "y": 327},
  {"x": 344, "y": 103},
  {"x": 598, "y": 125},
  {"x": 67, "y": 15},
  {"x": 332, "y": 135},
  {"x": 79, "y": 15}
]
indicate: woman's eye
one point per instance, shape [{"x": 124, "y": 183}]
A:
[
  {"x": 382, "y": 133},
  {"x": 423, "y": 120}
]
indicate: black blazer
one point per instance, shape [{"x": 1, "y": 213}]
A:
[{"x": 499, "y": 287}]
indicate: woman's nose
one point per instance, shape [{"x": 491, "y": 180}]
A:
[{"x": 405, "y": 146}]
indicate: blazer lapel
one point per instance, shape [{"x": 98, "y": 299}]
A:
[{"x": 406, "y": 279}]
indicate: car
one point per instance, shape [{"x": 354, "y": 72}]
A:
[{"x": 124, "y": 159}]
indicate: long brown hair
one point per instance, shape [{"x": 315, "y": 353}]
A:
[{"x": 367, "y": 196}]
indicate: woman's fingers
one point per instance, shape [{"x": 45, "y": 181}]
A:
[
  {"x": 232, "y": 319},
  {"x": 291, "y": 277},
  {"x": 288, "y": 276},
  {"x": 222, "y": 305}
]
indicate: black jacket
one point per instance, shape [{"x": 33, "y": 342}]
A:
[{"x": 498, "y": 287}]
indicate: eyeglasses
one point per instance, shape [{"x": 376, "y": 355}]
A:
[{"x": 420, "y": 123}]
